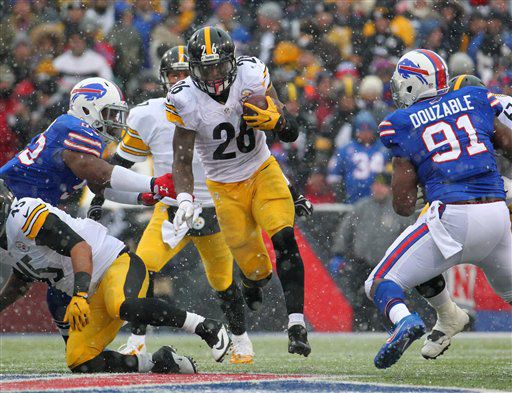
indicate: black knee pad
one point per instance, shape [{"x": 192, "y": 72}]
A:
[
  {"x": 284, "y": 240},
  {"x": 432, "y": 287},
  {"x": 229, "y": 293}
]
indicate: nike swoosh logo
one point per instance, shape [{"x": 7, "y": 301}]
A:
[
  {"x": 25, "y": 214},
  {"x": 221, "y": 345},
  {"x": 395, "y": 333}
]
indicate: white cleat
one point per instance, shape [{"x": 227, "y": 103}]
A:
[
  {"x": 134, "y": 346},
  {"x": 451, "y": 319},
  {"x": 216, "y": 336},
  {"x": 242, "y": 352}
]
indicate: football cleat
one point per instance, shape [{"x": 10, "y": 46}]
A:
[
  {"x": 133, "y": 347},
  {"x": 451, "y": 319},
  {"x": 298, "y": 340},
  {"x": 407, "y": 330},
  {"x": 216, "y": 336},
  {"x": 242, "y": 352},
  {"x": 253, "y": 297},
  {"x": 167, "y": 361}
]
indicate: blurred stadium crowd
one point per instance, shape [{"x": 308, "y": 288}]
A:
[{"x": 331, "y": 62}]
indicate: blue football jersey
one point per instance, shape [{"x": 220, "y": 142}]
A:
[
  {"x": 357, "y": 165},
  {"x": 38, "y": 171},
  {"x": 449, "y": 141}
]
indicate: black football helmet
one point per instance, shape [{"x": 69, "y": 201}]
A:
[
  {"x": 212, "y": 60},
  {"x": 173, "y": 60},
  {"x": 6, "y": 199},
  {"x": 464, "y": 80}
]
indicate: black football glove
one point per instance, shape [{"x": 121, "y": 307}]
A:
[
  {"x": 95, "y": 211},
  {"x": 303, "y": 207}
]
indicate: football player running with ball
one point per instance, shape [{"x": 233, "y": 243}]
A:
[
  {"x": 149, "y": 132},
  {"x": 248, "y": 187},
  {"x": 444, "y": 141},
  {"x": 107, "y": 285}
]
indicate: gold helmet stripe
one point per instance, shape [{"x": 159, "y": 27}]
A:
[
  {"x": 181, "y": 54},
  {"x": 207, "y": 40},
  {"x": 458, "y": 82}
]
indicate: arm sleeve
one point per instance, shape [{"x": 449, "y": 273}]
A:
[
  {"x": 389, "y": 136},
  {"x": 57, "y": 235},
  {"x": 128, "y": 198}
]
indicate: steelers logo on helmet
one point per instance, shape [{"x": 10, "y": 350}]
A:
[
  {"x": 174, "y": 63},
  {"x": 212, "y": 60},
  {"x": 464, "y": 80}
]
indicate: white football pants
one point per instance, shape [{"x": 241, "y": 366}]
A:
[{"x": 448, "y": 235}]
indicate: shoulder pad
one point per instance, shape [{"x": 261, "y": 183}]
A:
[
  {"x": 27, "y": 216},
  {"x": 180, "y": 105},
  {"x": 254, "y": 73}
]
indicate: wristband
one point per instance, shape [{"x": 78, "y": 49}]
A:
[
  {"x": 123, "y": 179},
  {"x": 126, "y": 197},
  {"x": 82, "y": 282},
  {"x": 184, "y": 196}
]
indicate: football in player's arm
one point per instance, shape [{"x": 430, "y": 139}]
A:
[
  {"x": 80, "y": 258},
  {"x": 249, "y": 189}
]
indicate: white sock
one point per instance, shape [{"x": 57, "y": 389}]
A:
[
  {"x": 145, "y": 362},
  {"x": 438, "y": 300},
  {"x": 296, "y": 319},
  {"x": 191, "y": 322},
  {"x": 137, "y": 340},
  {"x": 398, "y": 312},
  {"x": 241, "y": 337}
]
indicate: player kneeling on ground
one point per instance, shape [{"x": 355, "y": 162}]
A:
[{"x": 108, "y": 285}]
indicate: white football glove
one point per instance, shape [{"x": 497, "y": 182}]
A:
[{"x": 185, "y": 212}]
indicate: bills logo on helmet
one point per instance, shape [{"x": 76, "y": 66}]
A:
[
  {"x": 90, "y": 92},
  {"x": 406, "y": 68}
]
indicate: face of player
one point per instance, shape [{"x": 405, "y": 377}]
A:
[
  {"x": 176, "y": 76},
  {"x": 366, "y": 137}
]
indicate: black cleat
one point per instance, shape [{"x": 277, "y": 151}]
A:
[
  {"x": 253, "y": 297},
  {"x": 216, "y": 336},
  {"x": 298, "y": 340},
  {"x": 167, "y": 361}
]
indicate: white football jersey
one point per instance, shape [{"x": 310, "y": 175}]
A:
[
  {"x": 506, "y": 116},
  {"x": 229, "y": 154},
  {"x": 41, "y": 263},
  {"x": 149, "y": 132}
]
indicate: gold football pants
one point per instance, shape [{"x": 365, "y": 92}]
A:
[
  {"x": 215, "y": 255},
  {"x": 105, "y": 303},
  {"x": 244, "y": 208}
]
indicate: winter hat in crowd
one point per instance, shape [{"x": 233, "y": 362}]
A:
[{"x": 364, "y": 121}]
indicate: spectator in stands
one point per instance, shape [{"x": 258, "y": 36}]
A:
[
  {"x": 460, "y": 63},
  {"x": 20, "y": 22},
  {"x": 452, "y": 27},
  {"x": 382, "y": 42},
  {"x": 80, "y": 62},
  {"x": 268, "y": 32},
  {"x": 371, "y": 92},
  {"x": 362, "y": 236},
  {"x": 8, "y": 109},
  {"x": 353, "y": 167},
  {"x": 487, "y": 48},
  {"x": 20, "y": 61},
  {"x": 336, "y": 130},
  {"x": 102, "y": 12},
  {"x": 144, "y": 20},
  {"x": 75, "y": 13},
  {"x": 127, "y": 44}
]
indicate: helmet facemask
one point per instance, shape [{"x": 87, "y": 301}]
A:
[
  {"x": 213, "y": 77},
  {"x": 112, "y": 122}
]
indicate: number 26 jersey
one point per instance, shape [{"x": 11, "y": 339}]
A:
[{"x": 229, "y": 150}]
